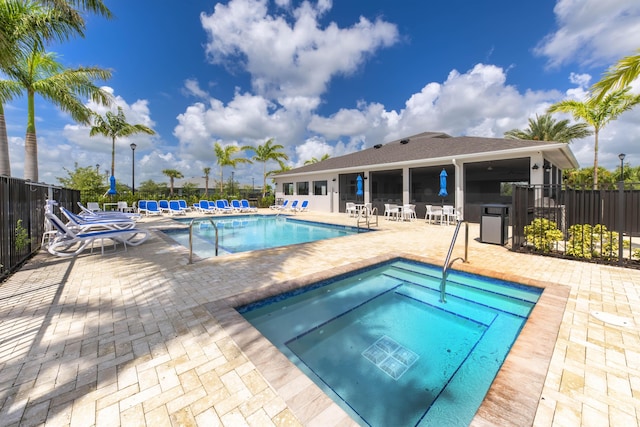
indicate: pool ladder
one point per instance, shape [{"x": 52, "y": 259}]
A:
[
  {"x": 367, "y": 218},
  {"x": 448, "y": 262},
  {"x": 215, "y": 227}
]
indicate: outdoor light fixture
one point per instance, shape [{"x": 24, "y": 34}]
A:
[
  {"x": 621, "y": 156},
  {"x": 404, "y": 141},
  {"x": 377, "y": 146},
  {"x": 334, "y": 180},
  {"x": 133, "y": 167},
  {"x": 535, "y": 167},
  {"x": 546, "y": 166}
]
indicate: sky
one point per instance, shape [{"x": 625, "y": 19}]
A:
[{"x": 328, "y": 77}]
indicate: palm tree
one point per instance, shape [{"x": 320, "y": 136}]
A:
[
  {"x": 266, "y": 152},
  {"x": 225, "y": 158},
  {"x": 116, "y": 126},
  {"x": 40, "y": 73},
  {"x": 23, "y": 27},
  {"x": 172, "y": 174},
  {"x": 314, "y": 160},
  {"x": 546, "y": 128},
  {"x": 206, "y": 171},
  {"x": 619, "y": 76},
  {"x": 598, "y": 114}
]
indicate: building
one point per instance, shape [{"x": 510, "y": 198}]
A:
[{"x": 479, "y": 171}]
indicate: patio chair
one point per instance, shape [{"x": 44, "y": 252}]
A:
[
  {"x": 94, "y": 206},
  {"x": 409, "y": 212},
  {"x": 448, "y": 215},
  {"x": 124, "y": 207},
  {"x": 391, "y": 211},
  {"x": 351, "y": 209},
  {"x": 174, "y": 208},
  {"x": 303, "y": 207},
  {"x": 247, "y": 207},
  {"x": 71, "y": 243}
]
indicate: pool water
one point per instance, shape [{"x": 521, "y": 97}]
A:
[
  {"x": 244, "y": 233},
  {"x": 381, "y": 344}
]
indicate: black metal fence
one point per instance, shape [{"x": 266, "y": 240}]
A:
[
  {"x": 22, "y": 218},
  {"x": 597, "y": 225}
]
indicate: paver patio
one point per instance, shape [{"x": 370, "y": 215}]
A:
[{"x": 140, "y": 337}]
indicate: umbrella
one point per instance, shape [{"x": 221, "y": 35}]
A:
[
  {"x": 443, "y": 184},
  {"x": 112, "y": 182},
  {"x": 359, "y": 191}
]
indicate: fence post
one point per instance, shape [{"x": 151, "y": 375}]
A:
[{"x": 620, "y": 221}]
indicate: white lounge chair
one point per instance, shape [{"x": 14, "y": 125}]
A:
[
  {"x": 80, "y": 224},
  {"x": 69, "y": 243}
]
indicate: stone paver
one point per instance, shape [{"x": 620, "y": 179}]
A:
[{"x": 143, "y": 338}]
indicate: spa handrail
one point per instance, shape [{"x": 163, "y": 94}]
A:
[
  {"x": 191, "y": 238},
  {"x": 447, "y": 262}
]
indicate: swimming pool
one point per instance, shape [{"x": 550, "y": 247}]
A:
[
  {"x": 383, "y": 347},
  {"x": 244, "y": 233}
]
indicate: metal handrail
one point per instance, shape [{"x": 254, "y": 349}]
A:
[
  {"x": 447, "y": 264},
  {"x": 191, "y": 238},
  {"x": 367, "y": 217}
]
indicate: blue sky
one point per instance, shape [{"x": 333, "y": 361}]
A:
[{"x": 330, "y": 77}]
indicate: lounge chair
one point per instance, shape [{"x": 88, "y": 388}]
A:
[
  {"x": 164, "y": 206},
  {"x": 70, "y": 243},
  {"x": 183, "y": 205},
  {"x": 303, "y": 207},
  {"x": 174, "y": 208},
  {"x": 78, "y": 223},
  {"x": 247, "y": 207},
  {"x": 153, "y": 208},
  {"x": 206, "y": 206},
  {"x": 293, "y": 207},
  {"x": 89, "y": 214},
  {"x": 222, "y": 208},
  {"x": 142, "y": 206},
  {"x": 236, "y": 206},
  {"x": 284, "y": 205}
]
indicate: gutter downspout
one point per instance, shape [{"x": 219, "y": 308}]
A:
[{"x": 459, "y": 193}]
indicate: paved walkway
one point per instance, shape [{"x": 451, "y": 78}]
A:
[{"x": 142, "y": 338}]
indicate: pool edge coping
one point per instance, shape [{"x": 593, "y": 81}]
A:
[{"x": 508, "y": 401}]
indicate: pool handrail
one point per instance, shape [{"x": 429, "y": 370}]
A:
[
  {"x": 191, "y": 238},
  {"x": 447, "y": 262}
]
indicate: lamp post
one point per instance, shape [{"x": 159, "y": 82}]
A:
[
  {"x": 621, "y": 156},
  {"x": 133, "y": 167},
  {"x": 231, "y": 182}
]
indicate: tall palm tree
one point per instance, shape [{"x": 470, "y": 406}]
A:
[
  {"x": 598, "y": 114},
  {"x": 206, "y": 171},
  {"x": 315, "y": 160},
  {"x": 115, "y": 126},
  {"x": 225, "y": 158},
  {"x": 25, "y": 25},
  {"x": 619, "y": 76},
  {"x": 264, "y": 153},
  {"x": 172, "y": 174},
  {"x": 40, "y": 73},
  {"x": 546, "y": 128}
]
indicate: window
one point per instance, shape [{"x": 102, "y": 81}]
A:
[
  {"x": 287, "y": 188},
  {"x": 303, "y": 188},
  {"x": 319, "y": 188}
]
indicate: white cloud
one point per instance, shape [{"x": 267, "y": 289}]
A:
[
  {"x": 290, "y": 55},
  {"x": 592, "y": 32}
]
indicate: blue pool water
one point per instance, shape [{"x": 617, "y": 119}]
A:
[
  {"x": 244, "y": 233},
  {"x": 381, "y": 344}
]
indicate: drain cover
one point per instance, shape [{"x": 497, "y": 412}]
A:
[
  {"x": 612, "y": 319},
  {"x": 390, "y": 357}
]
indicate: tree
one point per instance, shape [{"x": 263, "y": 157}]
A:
[
  {"x": 40, "y": 73},
  {"x": 314, "y": 160},
  {"x": 115, "y": 126},
  {"x": 24, "y": 27},
  {"x": 266, "y": 152},
  {"x": 225, "y": 158},
  {"x": 619, "y": 76},
  {"x": 152, "y": 189},
  {"x": 546, "y": 128},
  {"x": 206, "y": 171},
  {"x": 83, "y": 179},
  {"x": 598, "y": 114},
  {"x": 172, "y": 174}
]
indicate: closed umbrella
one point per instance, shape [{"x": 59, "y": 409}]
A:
[
  {"x": 112, "y": 188},
  {"x": 443, "y": 185},
  {"x": 359, "y": 191}
]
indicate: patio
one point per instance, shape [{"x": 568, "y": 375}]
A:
[{"x": 130, "y": 338}]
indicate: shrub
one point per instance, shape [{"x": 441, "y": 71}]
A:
[
  {"x": 543, "y": 234},
  {"x": 587, "y": 241}
]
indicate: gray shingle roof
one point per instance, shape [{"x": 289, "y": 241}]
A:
[{"x": 427, "y": 145}]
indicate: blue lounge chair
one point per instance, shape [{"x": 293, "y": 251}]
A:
[
  {"x": 174, "y": 208},
  {"x": 142, "y": 206},
  {"x": 236, "y": 206},
  {"x": 183, "y": 205},
  {"x": 222, "y": 207},
  {"x": 164, "y": 205},
  {"x": 293, "y": 207},
  {"x": 247, "y": 208},
  {"x": 207, "y": 207},
  {"x": 153, "y": 208},
  {"x": 284, "y": 205},
  {"x": 70, "y": 243},
  {"x": 303, "y": 207}
]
